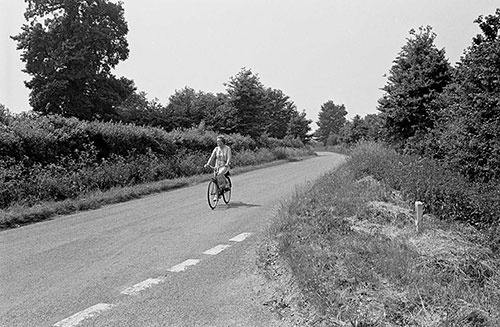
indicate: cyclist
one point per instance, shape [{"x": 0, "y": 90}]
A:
[{"x": 222, "y": 156}]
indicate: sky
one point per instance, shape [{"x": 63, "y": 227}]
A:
[{"x": 314, "y": 50}]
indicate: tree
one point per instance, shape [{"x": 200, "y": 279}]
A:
[
  {"x": 469, "y": 133},
  {"x": 138, "y": 110},
  {"x": 185, "y": 108},
  {"x": 70, "y": 47},
  {"x": 355, "y": 130},
  {"x": 219, "y": 115},
  {"x": 331, "y": 119},
  {"x": 5, "y": 115},
  {"x": 418, "y": 76},
  {"x": 278, "y": 112},
  {"x": 247, "y": 96},
  {"x": 299, "y": 126},
  {"x": 374, "y": 124}
]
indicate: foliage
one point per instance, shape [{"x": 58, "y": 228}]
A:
[
  {"x": 418, "y": 76},
  {"x": 139, "y": 110},
  {"x": 299, "y": 127},
  {"x": 70, "y": 47},
  {"x": 331, "y": 119},
  {"x": 246, "y": 94},
  {"x": 279, "y": 110},
  {"x": 5, "y": 114},
  {"x": 186, "y": 108},
  {"x": 445, "y": 193},
  {"x": 53, "y": 158},
  {"x": 368, "y": 128},
  {"x": 343, "y": 252},
  {"x": 354, "y": 130},
  {"x": 468, "y": 136}
]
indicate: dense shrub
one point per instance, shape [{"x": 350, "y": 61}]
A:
[
  {"x": 51, "y": 158},
  {"x": 445, "y": 193},
  {"x": 42, "y": 140},
  {"x": 271, "y": 142},
  {"x": 47, "y": 139}
]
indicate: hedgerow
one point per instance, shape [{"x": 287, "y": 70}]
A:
[
  {"x": 52, "y": 158},
  {"x": 445, "y": 193}
]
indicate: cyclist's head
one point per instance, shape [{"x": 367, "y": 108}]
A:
[{"x": 221, "y": 138}]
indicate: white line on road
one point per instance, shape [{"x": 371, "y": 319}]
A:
[
  {"x": 142, "y": 286},
  {"x": 241, "y": 237},
  {"x": 217, "y": 249},
  {"x": 183, "y": 265},
  {"x": 82, "y": 315}
]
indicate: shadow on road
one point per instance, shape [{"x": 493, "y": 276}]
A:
[{"x": 240, "y": 204}]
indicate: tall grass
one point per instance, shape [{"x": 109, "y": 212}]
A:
[{"x": 348, "y": 243}]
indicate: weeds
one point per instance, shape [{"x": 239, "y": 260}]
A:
[{"x": 349, "y": 244}]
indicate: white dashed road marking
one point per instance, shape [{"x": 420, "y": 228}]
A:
[
  {"x": 82, "y": 315},
  {"x": 77, "y": 318},
  {"x": 241, "y": 237},
  {"x": 183, "y": 265},
  {"x": 142, "y": 286},
  {"x": 217, "y": 249}
]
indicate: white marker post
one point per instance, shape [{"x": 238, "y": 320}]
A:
[{"x": 419, "y": 212}]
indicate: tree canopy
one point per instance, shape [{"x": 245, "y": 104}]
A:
[
  {"x": 246, "y": 94},
  {"x": 469, "y": 133},
  {"x": 418, "y": 76},
  {"x": 70, "y": 48},
  {"x": 331, "y": 119}
]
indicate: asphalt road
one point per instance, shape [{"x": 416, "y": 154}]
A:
[{"x": 163, "y": 260}]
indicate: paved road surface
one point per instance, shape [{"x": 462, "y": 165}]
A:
[{"x": 163, "y": 260}]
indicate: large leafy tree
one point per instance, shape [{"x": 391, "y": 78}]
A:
[
  {"x": 219, "y": 115},
  {"x": 418, "y": 76},
  {"x": 246, "y": 94},
  {"x": 70, "y": 48},
  {"x": 331, "y": 119},
  {"x": 185, "y": 107},
  {"x": 469, "y": 136}
]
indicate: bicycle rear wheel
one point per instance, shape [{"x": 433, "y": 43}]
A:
[
  {"x": 227, "y": 194},
  {"x": 212, "y": 195}
]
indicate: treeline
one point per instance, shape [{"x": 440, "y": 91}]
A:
[
  {"x": 247, "y": 107},
  {"x": 433, "y": 109},
  {"x": 70, "y": 48}
]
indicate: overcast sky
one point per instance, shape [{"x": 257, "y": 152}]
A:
[{"x": 314, "y": 50}]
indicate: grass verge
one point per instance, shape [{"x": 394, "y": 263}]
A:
[{"x": 343, "y": 252}]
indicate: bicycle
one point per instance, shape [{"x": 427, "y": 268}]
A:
[{"x": 215, "y": 192}]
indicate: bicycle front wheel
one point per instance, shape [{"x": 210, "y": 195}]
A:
[
  {"x": 212, "y": 195},
  {"x": 227, "y": 195}
]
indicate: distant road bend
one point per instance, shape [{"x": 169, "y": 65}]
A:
[{"x": 163, "y": 260}]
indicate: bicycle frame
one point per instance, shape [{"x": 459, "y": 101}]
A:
[{"x": 214, "y": 194}]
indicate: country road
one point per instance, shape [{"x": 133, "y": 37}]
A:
[{"x": 163, "y": 260}]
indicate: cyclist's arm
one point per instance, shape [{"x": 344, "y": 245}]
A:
[
  {"x": 212, "y": 157},
  {"x": 228, "y": 156}
]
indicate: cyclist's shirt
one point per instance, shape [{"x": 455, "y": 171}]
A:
[{"x": 221, "y": 156}]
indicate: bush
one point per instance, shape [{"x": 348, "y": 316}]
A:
[
  {"x": 445, "y": 193},
  {"x": 52, "y": 158}
]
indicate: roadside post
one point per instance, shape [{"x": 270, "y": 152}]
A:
[{"x": 419, "y": 212}]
